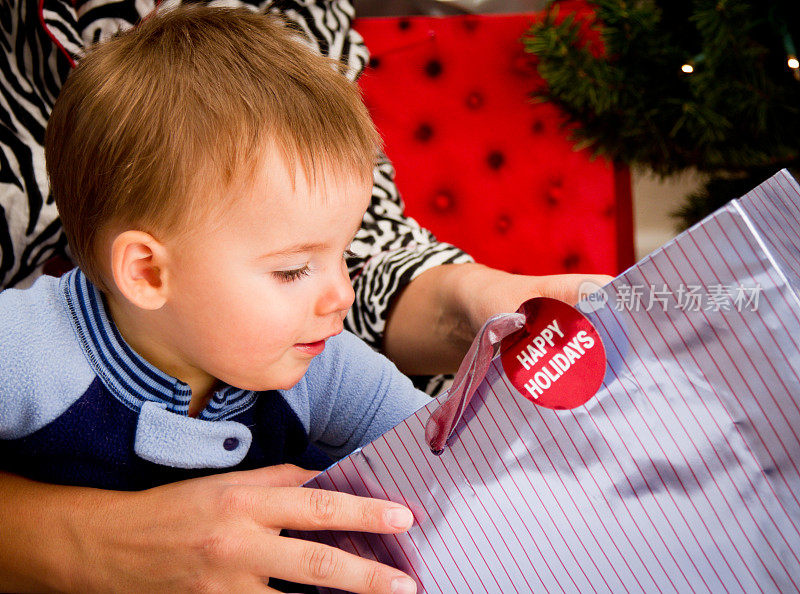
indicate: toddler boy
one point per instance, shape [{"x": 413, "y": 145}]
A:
[{"x": 210, "y": 172}]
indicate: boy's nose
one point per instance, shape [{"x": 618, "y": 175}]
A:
[{"x": 338, "y": 295}]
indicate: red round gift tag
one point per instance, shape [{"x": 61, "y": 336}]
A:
[{"x": 557, "y": 360}]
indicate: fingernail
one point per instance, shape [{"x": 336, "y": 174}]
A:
[
  {"x": 400, "y": 518},
  {"x": 403, "y": 585}
]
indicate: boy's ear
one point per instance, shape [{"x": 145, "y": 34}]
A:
[{"x": 139, "y": 267}]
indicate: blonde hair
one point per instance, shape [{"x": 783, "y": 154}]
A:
[{"x": 151, "y": 119}]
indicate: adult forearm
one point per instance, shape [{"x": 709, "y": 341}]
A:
[
  {"x": 433, "y": 321},
  {"x": 429, "y": 329},
  {"x": 37, "y": 524}
]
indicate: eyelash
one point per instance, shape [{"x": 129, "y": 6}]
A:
[{"x": 288, "y": 276}]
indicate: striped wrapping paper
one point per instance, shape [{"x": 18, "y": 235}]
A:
[{"x": 680, "y": 475}]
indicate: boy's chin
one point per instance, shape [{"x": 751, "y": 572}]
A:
[{"x": 284, "y": 381}]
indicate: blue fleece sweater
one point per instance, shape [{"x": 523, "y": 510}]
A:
[{"x": 78, "y": 406}]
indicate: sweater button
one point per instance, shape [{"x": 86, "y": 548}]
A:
[{"x": 230, "y": 443}]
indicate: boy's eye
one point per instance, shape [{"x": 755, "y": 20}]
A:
[{"x": 288, "y": 276}]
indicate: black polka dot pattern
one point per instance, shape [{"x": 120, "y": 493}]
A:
[
  {"x": 572, "y": 261},
  {"x": 523, "y": 65},
  {"x": 433, "y": 68},
  {"x": 470, "y": 24},
  {"x": 442, "y": 201},
  {"x": 475, "y": 100},
  {"x": 554, "y": 193},
  {"x": 515, "y": 183},
  {"x": 495, "y": 160},
  {"x": 503, "y": 224},
  {"x": 424, "y": 132}
]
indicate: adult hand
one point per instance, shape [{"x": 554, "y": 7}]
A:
[
  {"x": 433, "y": 321},
  {"x": 214, "y": 534},
  {"x": 483, "y": 292}
]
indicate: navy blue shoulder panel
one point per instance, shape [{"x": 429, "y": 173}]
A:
[{"x": 92, "y": 444}]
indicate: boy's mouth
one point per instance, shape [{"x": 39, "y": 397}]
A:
[
  {"x": 315, "y": 348},
  {"x": 311, "y": 348}
]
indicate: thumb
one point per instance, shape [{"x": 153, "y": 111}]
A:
[{"x": 571, "y": 288}]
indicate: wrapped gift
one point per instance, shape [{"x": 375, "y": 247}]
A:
[{"x": 679, "y": 474}]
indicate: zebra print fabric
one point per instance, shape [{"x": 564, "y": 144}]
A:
[
  {"x": 32, "y": 68},
  {"x": 41, "y": 42}
]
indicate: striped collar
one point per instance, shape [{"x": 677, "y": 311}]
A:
[{"x": 124, "y": 372}]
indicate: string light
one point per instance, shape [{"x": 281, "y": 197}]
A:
[
  {"x": 690, "y": 65},
  {"x": 791, "y": 53}
]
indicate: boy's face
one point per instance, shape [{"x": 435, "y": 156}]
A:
[{"x": 254, "y": 295}]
